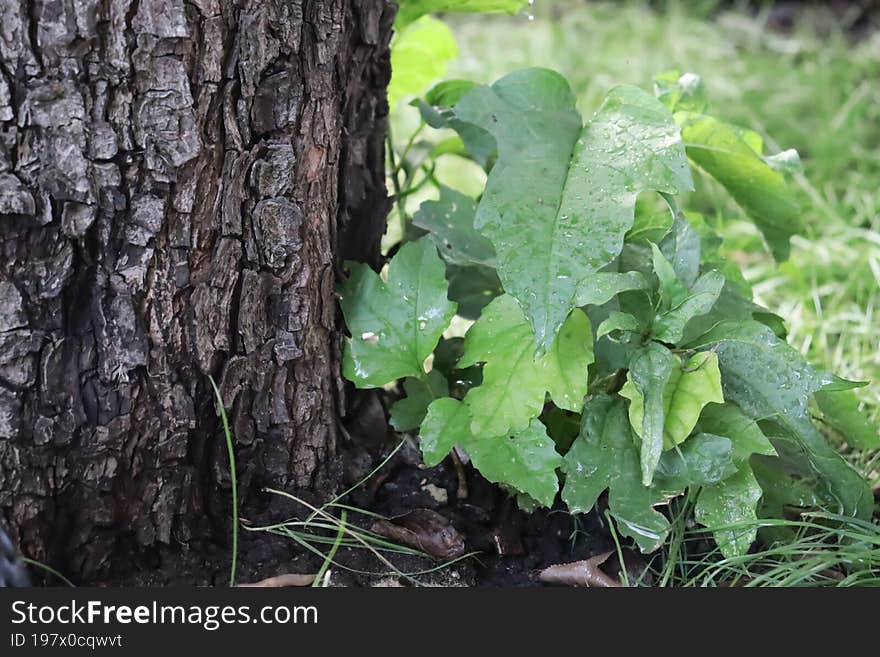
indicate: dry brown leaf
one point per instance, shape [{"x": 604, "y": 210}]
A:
[
  {"x": 290, "y": 579},
  {"x": 579, "y": 573}
]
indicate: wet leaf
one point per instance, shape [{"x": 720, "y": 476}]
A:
[
  {"x": 767, "y": 378},
  {"x": 681, "y": 396},
  {"x": 436, "y": 111},
  {"x": 681, "y": 91},
  {"x": 561, "y": 196},
  {"x": 514, "y": 382},
  {"x": 649, "y": 373},
  {"x": 703, "y": 460},
  {"x": 447, "y": 424},
  {"x": 527, "y": 461},
  {"x": 394, "y": 325},
  {"x": 605, "y": 456},
  {"x": 733, "y": 501},
  {"x": 649, "y": 227},
  {"x": 728, "y": 509}
]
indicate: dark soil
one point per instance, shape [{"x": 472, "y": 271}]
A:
[{"x": 503, "y": 545}]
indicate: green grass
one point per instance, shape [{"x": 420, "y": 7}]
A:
[
  {"x": 813, "y": 89},
  {"x": 819, "y": 549},
  {"x": 230, "y": 450}
]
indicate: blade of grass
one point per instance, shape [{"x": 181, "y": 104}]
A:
[{"x": 231, "y": 452}]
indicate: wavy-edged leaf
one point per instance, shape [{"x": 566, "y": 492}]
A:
[
  {"x": 395, "y": 325},
  {"x": 687, "y": 390},
  {"x": 561, "y": 195},
  {"x": 768, "y": 379},
  {"x": 604, "y": 456},
  {"x": 446, "y": 424},
  {"x": 514, "y": 382},
  {"x": 526, "y": 460}
]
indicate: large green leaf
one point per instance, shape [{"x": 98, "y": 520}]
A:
[
  {"x": 526, "y": 460},
  {"x": 685, "y": 392},
  {"x": 450, "y": 222},
  {"x": 420, "y": 54},
  {"x": 395, "y": 325},
  {"x": 514, "y": 382},
  {"x": 768, "y": 379},
  {"x": 560, "y": 198},
  {"x": 760, "y": 190},
  {"x": 604, "y": 456},
  {"x": 409, "y": 10},
  {"x": 840, "y": 409}
]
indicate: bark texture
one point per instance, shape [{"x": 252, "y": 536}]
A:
[{"x": 178, "y": 184}]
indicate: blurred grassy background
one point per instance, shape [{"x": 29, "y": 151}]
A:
[{"x": 813, "y": 85}]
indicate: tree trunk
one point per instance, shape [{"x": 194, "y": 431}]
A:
[{"x": 179, "y": 182}]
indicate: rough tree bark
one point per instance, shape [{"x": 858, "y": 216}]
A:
[{"x": 179, "y": 182}]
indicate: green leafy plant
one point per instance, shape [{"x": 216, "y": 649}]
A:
[{"x": 592, "y": 295}]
